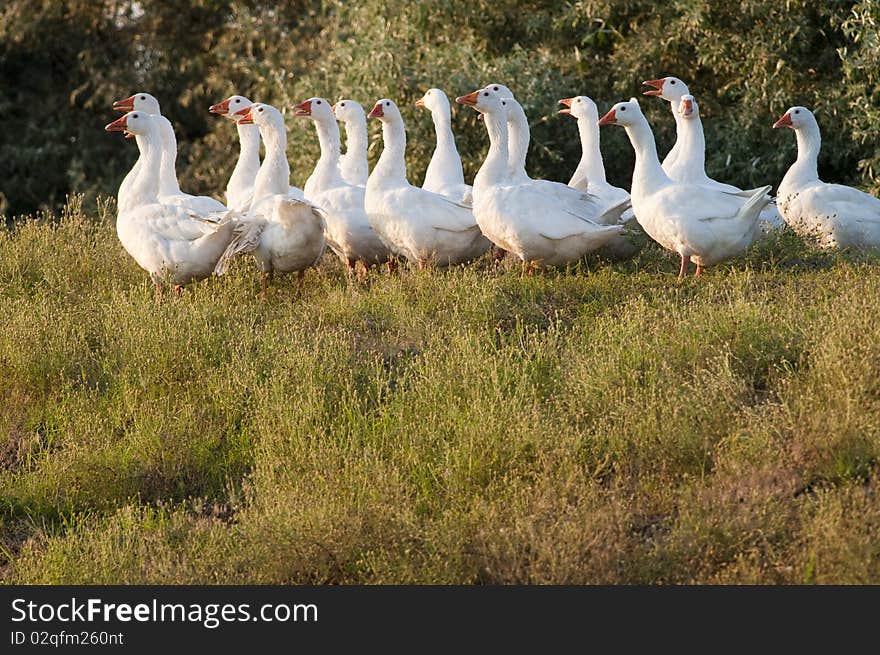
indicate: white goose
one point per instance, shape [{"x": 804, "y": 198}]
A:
[
  {"x": 521, "y": 218},
  {"x": 170, "y": 242},
  {"x": 519, "y": 138},
  {"x": 699, "y": 223},
  {"x": 839, "y": 216},
  {"x": 686, "y": 162},
  {"x": 444, "y": 174},
  {"x": 169, "y": 188},
  {"x": 420, "y": 225},
  {"x": 353, "y": 164},
  {"x": 349, "y": 233},
  {"x": 284, "y": 233},
  {"x": 240, "y": 188}
]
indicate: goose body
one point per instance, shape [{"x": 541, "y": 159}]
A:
[
  {"x": 353, "y": 164},
  {"x": 836, "y": 215},
  {"x": 283, "y": 232},
  {"x": 521, "y": 218},
  {"x": 699, "y": 223},
  {"x": 349, "y": 233},
  {"x": 444, "y": 174},
  {"x": 171, "y": 242},
  {"x": 420, "y": 225}
]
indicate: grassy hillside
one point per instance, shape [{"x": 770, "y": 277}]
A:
[{"x": 602, "y": 424}]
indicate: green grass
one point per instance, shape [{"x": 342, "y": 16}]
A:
[{"x": 605, "y": 424}]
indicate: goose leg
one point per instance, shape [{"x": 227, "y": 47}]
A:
[
  {"x": 178, "y": 289},
  {"x": 699, "y": 270},
  {"x": 498, "y": 254},
  {"x": 423, "y": 264},
  {"x": 684, "y": 266},
  {"x": 351, "y": 266},
  {"x": 300, "y": 279},
  {"x": 392, "y": 266}
]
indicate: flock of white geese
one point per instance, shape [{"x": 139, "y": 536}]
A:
[{"x": 375, "y": 217}]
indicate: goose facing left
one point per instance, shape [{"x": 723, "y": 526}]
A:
[
  {"x": 171, "y": 242},
  {"x": 169, "y": 187}
]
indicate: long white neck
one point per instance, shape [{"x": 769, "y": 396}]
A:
[
  {"x": 168, "y": 185},
  {"x": 248, "y": 164},
  {"x": 806, "y": 168},
  {"x": 274, "y": 175},
  {"x": 326, "y": 174},
  {"x": 648, "y": 175},
  {"x": 391, "y": 167},
  {"x": 353, "y": 164},
  {"x": 123, "y": 197},
  {"x": 590, "y": 169},
  {"x": 445, "y": 166},
  {"x": 145, "y": 189},
  {"x": 672, "y": 155},
  {"x": 519, "y": 137},
  {"x": 495, "y": 167},
  {"x": 690, "y": 166}
]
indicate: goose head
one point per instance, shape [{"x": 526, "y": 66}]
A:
[
  {"x": 581, "y": 107},
  {"x": 142, "y": 101},
  {"x": 434, "y": 100},
  {"x": 386, "y": 111},
  {"x": 484, "y": 101},
  {"x": 688, "y": 107},
  {"x": 260, "y": 114},
  {"x": 348, "y": 110},
  {"x": 623, "y": 113},
  {"x": 317, "y": 109},
  {"x": 670, "y": 88},
  {"x": 133, "y": 123},
  {"x": 228, "y": 107},
  {"x": 796, "y": 117},
  {"x": 500, "y": 89}
]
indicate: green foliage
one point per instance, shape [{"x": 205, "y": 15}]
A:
[
  {"x": 605, "y": 424},
  {"x": 63, "y": 63}
]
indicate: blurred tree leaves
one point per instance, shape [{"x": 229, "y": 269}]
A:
[{"x": 62, "y": 63}]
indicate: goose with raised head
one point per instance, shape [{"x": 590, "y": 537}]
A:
[
  {"x": 521, "y": 218},
  {"x": 421, "y": 225},
  {"x": 670, "y": 89},
  {"x": 283, "y": 233},
  {"x": 349, "y": 233},
  {"x": 519, "y": 136},
  {"x": 444, "y": 174},
  {"x": 836, "y": 215},
  {"x": 701, "y": 224},
  {"x": 169, "y": 188},
  {"x": 353, "y": 164},
  {"x": 240, "y": 188},
  {"x": 171, "y": 242}
]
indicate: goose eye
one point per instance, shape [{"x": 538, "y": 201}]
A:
[
  {"x": 387, "y": 104},
  {"x": 578, "y": 100},
  {"x": 623, "y": 109},
  {"x": 797, "y": 111},
  {"x": 495, "y": 88},
  {"x": 672, "y": 81},
  {"x": 237, "y": 100},
  {"x": 318, "y": 102},
  {"x": 342, "y": 105},
  {"x": 134, "y": 115},
  {"x": 486, "y": 94},
  {"x": 143, "y": 97},
  {"x": 260, "y": 109}
]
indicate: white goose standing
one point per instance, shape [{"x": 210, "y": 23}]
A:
[
  {"x": 171, "y": 242},
  {"x": 169, "y": 188},
  {"x": 839, "y": 216},
  {"x": 521, "y": 218},
  {"x": 240, "y": 188},
  {"x": 444, "y": 174},
  {"x": 699, "y": 223},
  {"x": 420, "y": 225},
  {"x": 349, "y": 233},
  {"x": 353, "y": 164},
  {"x": 686, "y": 162},
  {"x": 284, "y": 233}
]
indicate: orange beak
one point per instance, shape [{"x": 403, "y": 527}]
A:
[
  {"x": 470, "y": 100},
  {"x": 420, "y": 102},
  {"x": 785, "y": 121},
  {"x": 657, "y": 84},
  {"x": 246, "y": 118},
  {"x": 126, "y": 105},
  {"x": 567, "y": 103},
  {"x": 221, "y": 108},
  {"x": 377, "y": 111},
  {"x": 333, "y": 108},
  {"x": 303, "y": 109},
  {"x": 608, "y": 119},
  {"x": 119, "y": 125}
]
